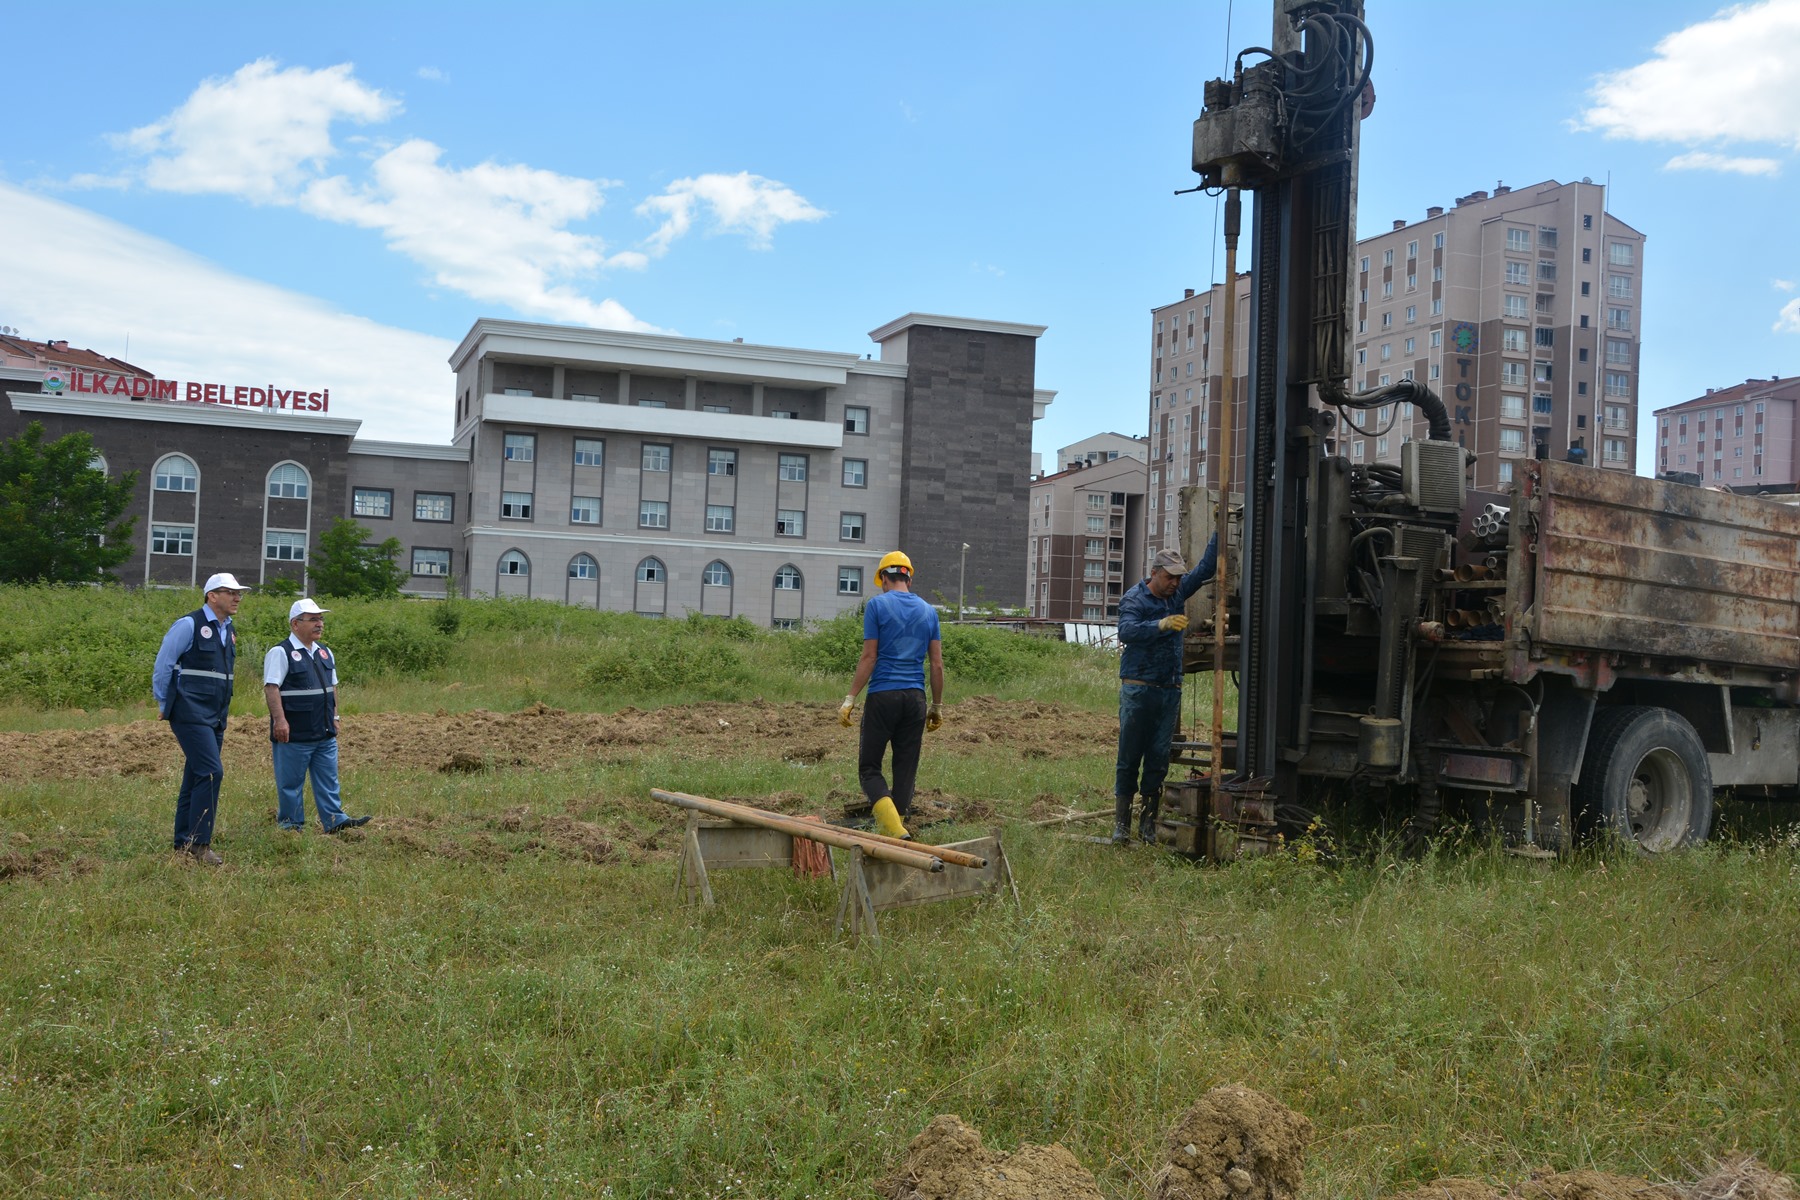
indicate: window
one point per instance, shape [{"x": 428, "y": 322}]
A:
[
  {"x": 1513, "y": 341},
  {"x": 372, "y": 502},
  {"x": 651, "y": 570},
  {"x": 515, "y": 506},
  {"x": 1515, "y": 307},
  {"x": 1518, "y": 240},
  {"x": 1618, "y": 287},
  {"x": 584, "y": 397},
  {"x": 1512, "y": 406},
  {"x": 1437, "y": 307},
  {"x": 171, "y": 539},
  {"x": 1365, "y": 265},
  {"x": 1518, "y": 273},
  {"x": 1387, "y": 288},
  {"x": 1546, "y": 336},
  {"x": 514, "y": 563},
  {"x": 1362, "y": 356},
  {"x": 1387, "y": 320},
  {"x": 1512, "y": 440},
  {"x": 584, "y": 510},
  {"x": 1381, "y": 446},
  {"x": 1096, "y": 500},
  {"x": 288, "y": 482},
  {"x": 793, "y": 468},
  {"x": 1437, "y": 338},
  {"x": 850, "y": 527},
  {"x": 721, "y": 462},
  {"x": 856, "y": 420},
  {"x": 653, "y": 404},
  {"x": 284, "y": 546},
  {"x": 787, "y": 579},
  {"x": 430, "y": 562},
  {"x": 1096, "y": 524},
  {"x": 1506, "y": 472},
  {"x": 1618, "y": 318},
  {"x": 653, "y": 514},
  {"x": 1512, "y": 374},
  {"x": 656, "y": 457},
  {"x": 1618, "y": 384},
  {"x": 849, "y": 581},
  {"x": 1437, "y": 274},
  {"x": 715, "y": 408},
  {"x": 1547, "y": 236},
  {"x": 1615, "y": 449},
  {"x": 716, "y": 574},
  {"x": 1540, "y": 402},
  {"x": 1586, "y": 287},
  {"x": 1412, "y": 313},
  {"x": 1412, "y": 249},
  {"x": 721, "y": 518},
  {"x": 1387, "y": 351},
  {"x": 1095, "y": 547},
  {"x": 856, "y": 472},
  {"x": 1547, "y": 271},
  {"x": 1546, "y": 302},
  {"x": 790, "y": 522},
  {"x": 433, "y": 506},
  {"x": 583, "y": 566},
  {"x": 521, "y": 447},
  {"x": 1410, "y": 343},
  {"x": 1387, "y": 258},
  {"x": 1541, "y": 372},
  {"x": 1621, "y": 254},
  {"x": 1587, "y": 255},
  {"x": 784, "y": 414},
  {"x": 590, "y": 452},
  {"x": 1437, "y": 241},
  {"x": 1616, "y": 419}
]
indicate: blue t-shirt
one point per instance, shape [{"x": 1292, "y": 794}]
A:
[{"x": 903, "y": 626}]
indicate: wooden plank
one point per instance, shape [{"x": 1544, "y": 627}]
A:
[{"x": 729, "y": 846}]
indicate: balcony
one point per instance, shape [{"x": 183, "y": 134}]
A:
[{"x": 661, "y": 422}]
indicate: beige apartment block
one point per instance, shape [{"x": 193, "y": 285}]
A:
[
  {"x": 1086, "y": 543},
  {"x": 1742, "y": 437}
]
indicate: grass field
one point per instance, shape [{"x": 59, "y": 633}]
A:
[{"x": 490, "y": 991}]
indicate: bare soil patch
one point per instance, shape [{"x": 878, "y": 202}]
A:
[{"x": 947, "y": 1161}]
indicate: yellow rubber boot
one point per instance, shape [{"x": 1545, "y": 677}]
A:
[{"x": 887, "y": 819}]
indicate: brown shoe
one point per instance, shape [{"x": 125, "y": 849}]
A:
[{"x": 204, "y": 854}]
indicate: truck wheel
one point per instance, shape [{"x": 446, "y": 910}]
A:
[{"x": 1646, "y": 780}]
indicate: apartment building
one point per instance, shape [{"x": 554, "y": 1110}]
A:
[
  {"x": 1519, "y": 308},
  {"x": 1103, "y": 447},
  {"x": 1086, "y": 537},
  {"x": 1741, "y": 437}
]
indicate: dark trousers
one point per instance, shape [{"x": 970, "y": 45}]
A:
[
  {"x": 896, "y": 718},
  {"x": 201, "y": 778},
  {"x": 1147, "y": 717}
]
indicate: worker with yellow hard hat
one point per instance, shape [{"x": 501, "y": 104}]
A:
[{"x": 900, "y": 634}]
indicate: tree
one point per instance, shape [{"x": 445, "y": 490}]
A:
[
  {"x": 347, "y": 565},
  {"x": 60, "y": 514}
]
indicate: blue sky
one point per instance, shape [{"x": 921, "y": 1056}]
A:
[{"x": 331, "y": 196}]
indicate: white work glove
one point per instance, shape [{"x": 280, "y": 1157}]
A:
[
  {"x": 846, "y": 709},
  {"x": 1176, "y": 623}
]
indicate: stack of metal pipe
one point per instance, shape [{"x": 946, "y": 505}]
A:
[{"x": 1491, "y": 522}]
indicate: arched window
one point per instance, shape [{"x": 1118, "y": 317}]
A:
[
  {"x": 651, "y": 570},
  {"x": 97, "y": 463},
  {"x": 289, "y": 481},
  {"x": 583, "y": 566},
  {"x": 717, "y": 574},
  {"x": 514, "y": 563},
  {"x": 176, "y": 474},
  {"x": 787, "y": 578}
]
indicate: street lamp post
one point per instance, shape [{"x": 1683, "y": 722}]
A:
[{"x": 962, "y": 568}]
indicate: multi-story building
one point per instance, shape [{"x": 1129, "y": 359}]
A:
[
  {"x": 1087, "y": 538},
  {"x": 1103, "y": 447},
  {"x": 1743, "y": 437},
  {"x": 626, "y": 471},
  {"x": 1520, "y": 309}
]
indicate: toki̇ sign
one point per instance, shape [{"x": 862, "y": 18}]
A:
[{"x": 141, "y": 387}]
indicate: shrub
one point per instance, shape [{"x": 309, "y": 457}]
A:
[
  {"x": 388, "y": 645},
  {"x": 641, "y": 666},
  {"x": 829, "y": 647}
]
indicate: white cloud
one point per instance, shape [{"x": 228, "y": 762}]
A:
[
  {"x": 1789, "y": 319},
  {"x": 493, "y": 232},
  {"x": 1783, "y": 285},
  {"x": 435, "y": 74},
  {"x": 72, "y": 274},
  {"x": 1701, "y": 160},
  {"x": 741, "y": 203},
  {"x": 259, "y": 135},
  {"x": 1730, "y": 78}
]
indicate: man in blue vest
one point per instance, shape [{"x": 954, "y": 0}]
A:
[
  {"x": 300, "y": 685},
  {"x": 900, "y": 636},
  {"x": 1150, "y": 662},
  {"x": 192, "y": 685}
]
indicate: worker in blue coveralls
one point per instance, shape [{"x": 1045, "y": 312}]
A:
[
  {"x": 1150, "y": 625},
  {"x": 192, "y": 685},
  {"x": 900, "y": 635},
  {"x": 300, "y": 687}
]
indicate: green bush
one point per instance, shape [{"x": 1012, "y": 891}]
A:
[
  {"x": 674, "y": 661},
  {"x": 829, "y": 647},
  {"x": 388, "y": 645},
  {"x": 997, "y": 655}
]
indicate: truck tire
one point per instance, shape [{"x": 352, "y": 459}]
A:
[{"x": 1646, "y": 780}]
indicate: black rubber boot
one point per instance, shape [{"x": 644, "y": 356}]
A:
[
  {"x": 1121, "y": 820},
  {"x": 1147, "y": 819}
]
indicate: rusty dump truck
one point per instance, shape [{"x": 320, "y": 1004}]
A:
[{"x": 1594, "y": 652}]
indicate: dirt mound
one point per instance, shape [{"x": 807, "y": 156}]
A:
[
  {"x": 948, "y": 1162},
  {"x": 1234, "y": 1144},
  {"x": 1593, "y": 1185},
  {"x": 538, "y": 736},
  {"x": 1740, "y": 1178},
  {"x": 1743, "y": 1178},
  {"x": 1453, "y": 1187},
  {"x": 47, "y": 862}
]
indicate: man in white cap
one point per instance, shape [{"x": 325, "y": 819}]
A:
[
  {"x": 300, "y": 684},
  {"x": 1150, "y": 664},
  {"x": 192, "y": 685}
]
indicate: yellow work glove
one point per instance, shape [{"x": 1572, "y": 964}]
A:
[
  {"x": 845, "y": 709},
  {"x": 933, "y": 719},
  {"x": 1176, "y": 623}
]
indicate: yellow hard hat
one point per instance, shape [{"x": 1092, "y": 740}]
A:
[{"x": 894, "y": 560}]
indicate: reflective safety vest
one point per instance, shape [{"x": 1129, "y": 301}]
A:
[
  {"x": 307, "y": 696},
  {"x": 200, "y": 690}
]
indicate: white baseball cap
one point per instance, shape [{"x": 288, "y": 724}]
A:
[
  {"x": 223, "y": 581},
  {"x": 306, "y": 604}
]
